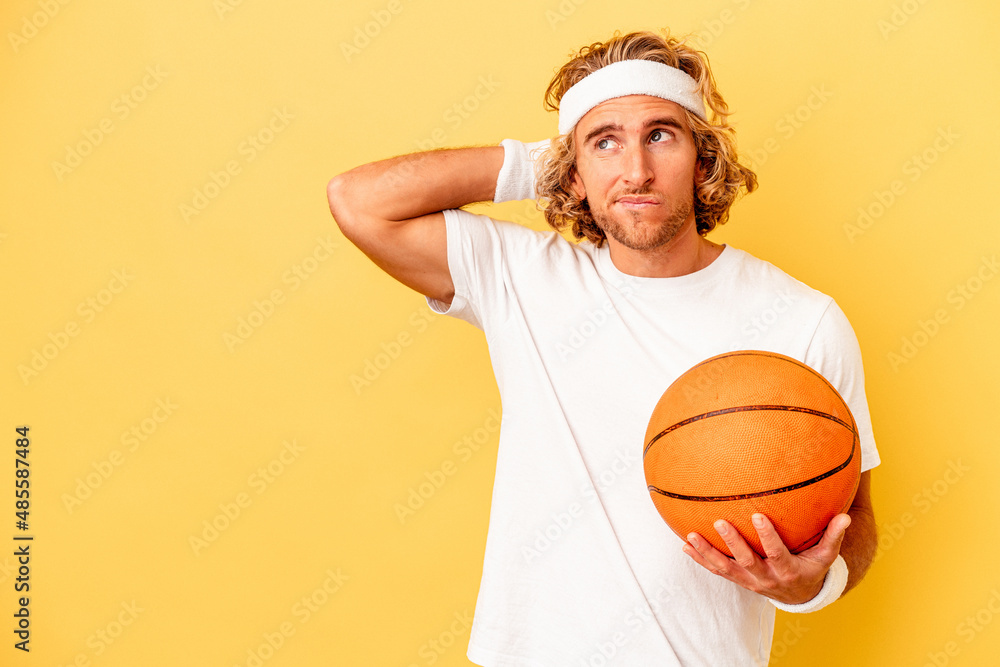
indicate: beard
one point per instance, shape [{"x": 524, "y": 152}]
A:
[{"x": 638, "y": 233}]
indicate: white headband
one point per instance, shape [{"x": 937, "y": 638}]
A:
[{"x": 628, "y": 77}]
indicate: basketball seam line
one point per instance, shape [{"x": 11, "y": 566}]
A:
[
  {"x": 758, "y": 494},
  {"x": 769, "y": 355},
  {"x": 747, "y": 408}
]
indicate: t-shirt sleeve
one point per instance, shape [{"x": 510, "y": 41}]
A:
[
  {"x": 476, "y": 263},
  {"x": 835, "y": 353}
]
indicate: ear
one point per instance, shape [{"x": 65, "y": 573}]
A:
[{"x": 579, "y": 189}]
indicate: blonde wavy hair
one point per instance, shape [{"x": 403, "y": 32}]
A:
[{"x": 714, "y": 139}]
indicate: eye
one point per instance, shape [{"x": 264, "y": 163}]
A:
[
  {"x": 660, "y": 136},
  {"x": 603, "y": 144}
]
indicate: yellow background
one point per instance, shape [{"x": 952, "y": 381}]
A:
[{"x": 869, "y": 86}]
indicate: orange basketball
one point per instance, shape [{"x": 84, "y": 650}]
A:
[{"x": 748, "y": 432}]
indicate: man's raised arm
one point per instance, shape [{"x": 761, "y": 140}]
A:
[{"x": 391, "y": 210}]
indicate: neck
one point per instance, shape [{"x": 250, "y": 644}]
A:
[{"x": 686, "y": 253}]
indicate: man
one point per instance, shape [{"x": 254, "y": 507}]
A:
[{"x": 584, "y": 338}]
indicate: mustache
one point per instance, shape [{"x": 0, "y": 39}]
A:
[
  {"x": 637, "y": 192},
  {"x": 628, "y": 193}
]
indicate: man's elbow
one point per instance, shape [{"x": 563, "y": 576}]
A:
[{"x": 338, "y": 195}]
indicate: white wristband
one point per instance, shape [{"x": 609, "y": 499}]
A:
[
  {"x": 833, "y": 586},
  {"x": 516, "y": 180}
]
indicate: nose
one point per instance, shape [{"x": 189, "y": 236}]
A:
[{"x": 636, "y": 170}]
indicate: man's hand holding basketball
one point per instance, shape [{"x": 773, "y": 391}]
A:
[{"x": 782, "y": 576}]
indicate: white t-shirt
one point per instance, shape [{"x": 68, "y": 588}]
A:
[{"x": 580, "y": 570}]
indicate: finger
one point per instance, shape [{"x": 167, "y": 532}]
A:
[
  {"x": 697, "y": 557},
  {"x": 710, "y": 558},
  {"x": 774, "y": 546},
  {"x": 833, "y": 537},
  {"x": 825, "y": 551},
  {"x": 746, "y": 557}
]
